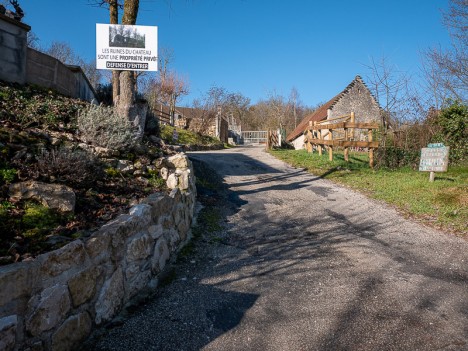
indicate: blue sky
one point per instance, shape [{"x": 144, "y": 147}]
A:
[{"x": 258, "y": 46}]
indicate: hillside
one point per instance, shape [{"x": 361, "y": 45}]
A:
[{"x": 42, "y": 152}]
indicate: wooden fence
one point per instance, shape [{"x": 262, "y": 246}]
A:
[{"x": 344, "y": 127}]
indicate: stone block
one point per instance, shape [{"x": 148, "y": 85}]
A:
[
  {"x": 139, "y": 247},
  {"x": 71, "y": 256},
  {"x": 97, "y": 247},
  {"x": 82, "y": 286},
  {"x": 184, "y": 179},
  {"x": 55, "y": 196},
  {"x": 164, "y": 173},
  {"x": 142, "y": 214},
  {"x": 48, "y": 309},
  {"x": 74, "y": 330},
  {"x": 176, "y": 195},
  {"x": 8, "y": 326},
  {"x": 17, "y": 280},
  {"x": 178, "y": 161},
  {"x": 166, "y": 221},
  {"x": 172, "y": 181},
  {"x": 161, "y": 207},
  {"x": 136, "y": 279},
  {"x": 155, "y": 231},
  {"x": 173, "y": 239},
  {"x": 110, "y": 298},
  {"x": 160, "y": 256}
]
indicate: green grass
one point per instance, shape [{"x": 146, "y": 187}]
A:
[{"x": 443, "y": 203}]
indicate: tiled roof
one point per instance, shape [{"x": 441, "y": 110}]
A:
[
  {"x": 321, "y": 113},
  {"x": 318, "y": 115}
]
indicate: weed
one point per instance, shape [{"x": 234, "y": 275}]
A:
[
  {"x": 112, "y": 172},
  {"x": 39, "y": 220},
  {"x": 7, "y": 175},
  {"x": 156, "y": 181}
]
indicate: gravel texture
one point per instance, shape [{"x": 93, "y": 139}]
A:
[{"x": 301, "y": 264}]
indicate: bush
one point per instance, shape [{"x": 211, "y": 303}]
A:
[
  {"x": 101, "y": 126},
  {"x": 396, "y": 157},
  {"x": 453, "y": 122},
  {"x": 74, "y": 167}
]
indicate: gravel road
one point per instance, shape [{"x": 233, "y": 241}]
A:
[{"x": 303, "y": 264}]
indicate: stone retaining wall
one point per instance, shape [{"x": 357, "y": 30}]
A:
[{"x": 53, "y": 301}]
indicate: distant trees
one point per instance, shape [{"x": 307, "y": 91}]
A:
[
  {"x": 65, "y": 53},
  {"x": 277, "y": 111}
]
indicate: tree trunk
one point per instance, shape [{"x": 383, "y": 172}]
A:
[
  {"x": 114, "y": 19},
  {"x": 125, "y": 102},
  {"x": 127, "y": 79}
]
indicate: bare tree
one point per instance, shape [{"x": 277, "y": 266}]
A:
[
  {"x": 206, "y": 109},
  {"x": 33, "y": 41},
  {"x": 391, "y": 87},
  {"x": 65, "y": 53},
  {"x": 452, "y": 64},
  {"x": 294, "y": 100},
  {"x": 237, "y": 106}
]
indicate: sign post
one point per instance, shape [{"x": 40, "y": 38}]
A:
[
  {"x": 124, "y": 47},
  {"x": 434, "y": 158}
]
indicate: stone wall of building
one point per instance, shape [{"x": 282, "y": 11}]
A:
[
  {"x": 359, "y": 100},
  {"x": 53, "y": 301},
  {"x": 13, "y": 45}
]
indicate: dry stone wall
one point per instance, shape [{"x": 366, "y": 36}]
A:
[{"x": 53, "y": 302}]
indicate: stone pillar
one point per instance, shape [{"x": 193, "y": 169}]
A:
[{"x": 13, "y": 47}]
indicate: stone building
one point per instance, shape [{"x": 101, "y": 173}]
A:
[{"x": 356, "y": 97}]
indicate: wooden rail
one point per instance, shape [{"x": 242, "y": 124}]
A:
[{"x": 314, "y": 136}]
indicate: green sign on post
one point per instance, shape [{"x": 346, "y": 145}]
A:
[{"x": 434, "y": 158}]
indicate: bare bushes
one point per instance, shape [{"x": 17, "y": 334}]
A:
[
  {"x": 74, "y": 167},
  {"x": 102, "y": 126}
]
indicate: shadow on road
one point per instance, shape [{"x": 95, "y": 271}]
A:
[{"x": 324, "y": 280}]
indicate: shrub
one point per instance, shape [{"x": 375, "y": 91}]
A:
[
  {"x": 75, "y": 167},
  {"x": 453, "y": 130},
  {"x": 396, "y": 157},
  {"x": 101, "y": 126}
]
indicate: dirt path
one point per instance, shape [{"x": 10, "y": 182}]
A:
[{"x": 305, "y": 265}]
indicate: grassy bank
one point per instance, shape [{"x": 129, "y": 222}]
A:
[{"x": 443, "y": 203}]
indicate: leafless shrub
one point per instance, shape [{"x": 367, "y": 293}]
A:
[{"x": 74, "y": 167}]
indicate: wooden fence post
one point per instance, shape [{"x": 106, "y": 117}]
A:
[
  {"x": 346, "y": 149},
  {"x": 371, "y": 150},
  {"x": 309, "y": 136},
  {"x": 330, "y": 147},
  {"x": 351, "y": 130},
  {"x": 319, "y": 133}
]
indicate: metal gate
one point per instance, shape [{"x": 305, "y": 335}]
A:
[{"x": 254, "y": 137}]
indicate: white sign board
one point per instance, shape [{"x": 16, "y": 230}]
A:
[
  {"x": 127, "y": 48},
  {"x": 434, "y": 158}
]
